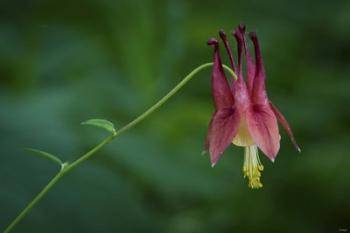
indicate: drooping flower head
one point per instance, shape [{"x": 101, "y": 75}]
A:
[{"x": 244, "y": 116}]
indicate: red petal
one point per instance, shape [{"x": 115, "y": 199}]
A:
[
  {"x": 222, "y": 129},
  {"x": 239, "y": 39},
  {"x": 222, "y": 95},
  {"x": 228, "y": 48},
  {"x": 258, "y": 91},
  {"x": 285, "y": 125},
  {"x": 263, "y": 127},
  {"x": 239, "y": 89},
  {"x": 250, "y": 64}
]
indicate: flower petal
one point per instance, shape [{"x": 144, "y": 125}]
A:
[
  {"x": 250, "y": 63},
  {"x": 222, "y": 129},
  {"x": 222, "y": 94},
  {"x": 238, "y": 36},
  {"x": 281, "y": 119},
  {"x": 263, "y": 127},
  {"x": 228, "y": 48},
  {"x": 239, "y": 88},
  {"x": 259, "y": 95}
]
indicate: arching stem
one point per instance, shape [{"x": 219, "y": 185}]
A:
[{"x": 69, "y": 167}]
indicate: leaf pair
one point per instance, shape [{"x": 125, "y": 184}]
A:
[{"x": 100, "y": 123}]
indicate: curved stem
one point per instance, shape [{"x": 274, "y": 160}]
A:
[
  {"x": 69, "y": 167},
  {"x": 170, "y": 94}
]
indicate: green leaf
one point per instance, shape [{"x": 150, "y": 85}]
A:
[
  {"x": 101, "y": 123},
  {"x": 45, "y": 155}
]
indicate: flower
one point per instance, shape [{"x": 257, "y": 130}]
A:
[{"x": 244, "y": 116}]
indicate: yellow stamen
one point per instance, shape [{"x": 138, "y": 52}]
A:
[{"x": 252, "y": 167}]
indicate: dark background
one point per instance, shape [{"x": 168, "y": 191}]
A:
[{"x": 63, "y": 62}]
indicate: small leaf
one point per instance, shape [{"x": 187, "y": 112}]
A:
[
  {"x": 45, "y": 155},
  {"x": 101, "y": 123}
]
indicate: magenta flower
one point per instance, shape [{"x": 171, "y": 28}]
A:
[{"x": 243, "y": 113}]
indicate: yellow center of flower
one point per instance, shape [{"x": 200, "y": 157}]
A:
[
  {"x": 252, "y": 167},
  {"x": 243, "y": 137}
]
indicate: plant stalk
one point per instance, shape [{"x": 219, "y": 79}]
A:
[{"x": 65, "y": 167}]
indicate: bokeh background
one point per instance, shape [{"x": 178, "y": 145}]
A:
[{"x": 63, "y": 62}]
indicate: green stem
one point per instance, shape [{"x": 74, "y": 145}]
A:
[
  {"x": 26, "y": 210},
  {"x": 69, "y": 167}
]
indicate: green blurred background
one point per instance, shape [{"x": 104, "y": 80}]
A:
[{"x": 63, "y": 62}]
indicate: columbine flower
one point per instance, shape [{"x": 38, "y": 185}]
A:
[{"x": 243, "y": 113}]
